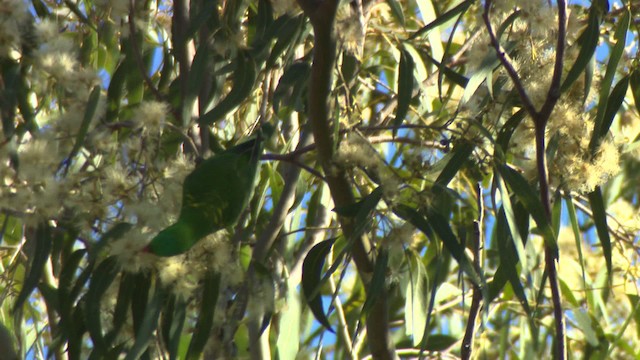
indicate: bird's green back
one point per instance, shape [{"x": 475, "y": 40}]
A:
[
  {"x": 214, "y": 195},
  {"x": 174, "y": 240}
]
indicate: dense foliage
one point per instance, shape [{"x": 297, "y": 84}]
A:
[{"x": 448, "y": 178}]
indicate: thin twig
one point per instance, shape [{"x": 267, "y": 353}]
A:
[{"x": 502, "y": 56}]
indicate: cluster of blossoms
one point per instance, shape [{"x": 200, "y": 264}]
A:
[
  {"x": 531, "y": 40},
  {"x": 13, "y": 19},
  {"x": 116, "y": 173},
  {"x": 356, "y": 151}
]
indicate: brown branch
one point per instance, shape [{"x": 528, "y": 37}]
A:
[
  {"x": 502, "y": 56},
  {"x": 179, "y": 28},
  {"x": 322, "y": 16},
  {"x": 540, "y": 119}
]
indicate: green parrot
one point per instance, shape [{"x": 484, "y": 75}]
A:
[{"x": 214, "y": 195}]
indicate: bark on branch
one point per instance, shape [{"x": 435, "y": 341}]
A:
[{"x": 322, "y": 17}]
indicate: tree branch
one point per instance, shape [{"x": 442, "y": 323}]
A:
[
  {"x": 540, "y": 119},
  {"x": 322, "y": 16}
]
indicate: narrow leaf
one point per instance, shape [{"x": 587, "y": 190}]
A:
[
  {"x": 378, "y": 281},
  {"x": 527, "y": 195},
  {"x": 588, "y": 42},
  {"x": 405, "y": 88},
  {"x": 244, "y": 78},
  {"x": 311, "y": 276},
  {"x": 440, "y": 342},
  {"x": 102, "y": 278},
  {"x": 416, "y": 298},
  {"x": 148, "y": 326},
  {"x": 173, "y": 320},
  {"x": 396, "y": 11},
  {"x": 600, "y": 220},
  {"x": 89, "y": 114},
  {"x": 461, "y": 153},
  {"x": 207, "y": 311},
  {"x": 120, "y": 313},
  {"x": 509, "y": 258},
  {"x": 286, "y": 29},
  {"x": 605, "y": 85},
  {"x": 614, "y": 102},
  {"x": 42, "y": 250},
  {"x": 442, "y": 19},
  {"x": 362, "y": 211},
  {"x": 510, "y": 218},
  {"x": 573, "y": 219},
  {"x": 441, "y": 227}
]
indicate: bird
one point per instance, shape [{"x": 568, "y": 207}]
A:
[{"x": 214, "y": 195}]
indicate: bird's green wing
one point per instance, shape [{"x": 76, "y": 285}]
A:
[
  {"x": 174, "y": 240},
  {"x": 219, "y": 189},
  {"x": 214, "y": 195}
]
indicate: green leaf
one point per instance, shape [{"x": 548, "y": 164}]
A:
[
  {"x": 206, "y": 10},
  {"x": 286, "y": 29},
  {"x": 460, "y": 155},
  {"x": 600, "y": 220},
  {"x": 510, "y": 218},
  {"x": 527, "y": 195},
  {"x": 148, "y": 325},
  {"x": 65, "y": 295},
  {"x": 585, "y": 325},
  {"x": 484, "y": 72},
  {"x": 509, "y": 256},
  {"x": 588, "y": 41},
  {"x": 139, "y": 298},
  {"x": 440, "y": 342},
  {"x": 635, "y": 305},
  {"x": 89, "y": 114},
  {"x": 616, "y": 98},
  {"x": 121, "y": 310},
  {"x": 378, "y": 281},
  {"x": 361, "y": 211},
  {"x": 396, "y": 11},
  {"x": 42, "y": 250},
  {"x": 405, "y": 88},
  {"x": 288, "y": 95},
  {"x": 605, "y": 85},
  {"x": 173, "y": 319},
  {"x": 451, "y": 74},
  {"x": 114, "y": 93},
  {"x": 311, "y": 279},
  {"x": 567, "y": 294},
  {"x": 114, "y": 233},
  {"x": 245, "y": 74},
  {"x": 416, "y": 298},
  {"x": 573, "y": 219},
  {"x": 211, "y": 289},
  {"x": 441, "y": 227},
  {"x": 442, "y": 19},
  {"x": 102, "y": 278},
  {"x": 199, "y": 65},
  {"x": 506, "y": 131}
]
